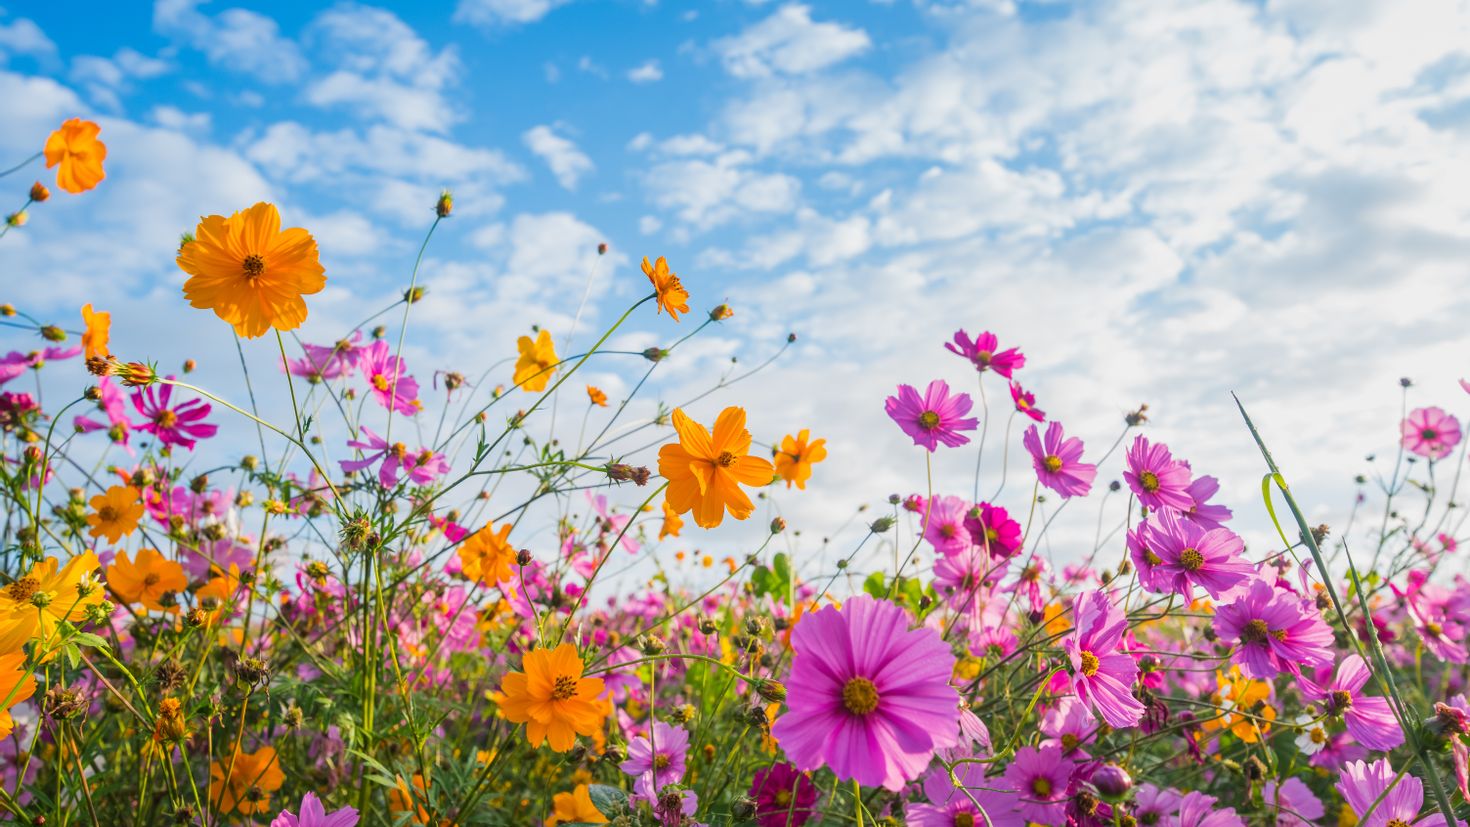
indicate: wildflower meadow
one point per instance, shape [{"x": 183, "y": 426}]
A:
[{"x": 407, "y": 598}]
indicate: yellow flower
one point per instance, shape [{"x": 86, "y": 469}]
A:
[
  {"x": 596, "y": 395},
  {"x": 536, "y": 363},
  {"x": 94, "y": 337},
  {"x": 552, "y": 698},
  {"x": 796, "y": 456},
  {"x": 575, "y": 807},
  {"x": 31, "y": 605},
  {"x": 16, "y": 684},
  {"x": 672, "y": 523},
  {"x": 671, "y": 293},
  {"x": 147, "y": 580},
  {"x": 486, "y": 556},
  {"x": 75, "y": 147},
  {"x": 250, "y": 272},
  {"x": 252, "y": 779},
  {"x": 1237, "y": 692},
  {"x": 116, "y": 513},
  {"x": 705, "y": 471}
]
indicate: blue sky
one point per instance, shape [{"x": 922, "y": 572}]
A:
[{"x": 1158, "y": 201}]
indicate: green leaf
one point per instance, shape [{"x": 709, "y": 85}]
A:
[
  {"x": 874, "y": 585},
  {"x": 90, "y": 640},
  {"x": 610, "y": 801}
]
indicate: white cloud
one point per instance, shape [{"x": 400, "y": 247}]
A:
[
  {"x": 237, "y": 40},
  {"x": 646, "y": 72},
  {"x": 106, "y": 79},
  {"x": 567, "y": 162},
  {"x": 710, "y": 192},
  {"x": 649, "y": 224},
  {"x": 789, "y": 42},
  {"x": 178, "y": 120},
  {"x": 22, "y": 36},
  {"x": 503, "y": 12}
]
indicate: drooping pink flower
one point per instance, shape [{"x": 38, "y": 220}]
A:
[
  {"x": 14, "y": 363},
  {"x": 1025, "y": 402},
  {"x": 948, "y": 805},
  {"x": 1058, "y": 461},
  {"x": 1274, "y": 631},
  {"x": 1369, "y": 719},
  {"x": 1439, "y": 619},
  {"x": 321, "y": 362},
  {"x": 945, "y": 526},
  {"x": 1199, "y": 810},
  {"x": 1040, "y": 778},
  {"x": 934, "y": 417},
  {"x": 661, "y": 756},
  {"x": 867, "y": 696},
  {"x": 313, "y": 814},
  {"x": 1102, "y": 675},
  {"x": 1203, "y": 513},
  {"x": 385, "y": 374},
  {"x": 1430, "y": 433},
  {"x": 178, "y": 425},
  {"x": 1157, "y": 479},
  {"x": 984, "y": 353},
  {"x": 422, "y": 467},
  {"x": 992, "y": 529},
  {"x": 1370, "y": 790},
  {"x": 611, "y": 524},
  {"x": 784, "y": 796},
  {"x": 1186, "y": 555}
]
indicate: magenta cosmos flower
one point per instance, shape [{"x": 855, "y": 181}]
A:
[
  {"x": 1026, "y": 402},
  {"x": 422, "y": 467},
  {"x": 1040, "y": 778},
  {"x": 934, "y": 417},
  {"x": 172, "y": 425},
  {"x": 783, "y": 796},
  {"x": 945, "y": 525},
  {"x": 1292, "y": 802},
  {"x": 1158, "y": 480},
  {"x": 1369, "y": 720},
  {"x": 868, "y": 696},
  {"x": 1274, "y": 631},
  {"x": 313, "y": 814},
  {"x": 1181, "y": 555},
  {"x": 1363, "y": 785},
  {"x": 1203, "y": 513},
  {"x": 1430, "y": 432},
  {"x": 984, "y": 353},
  {"x": 385, "y": 374},
  {"x": 949, "y": 806},
  {"x": 992, "y": 529},
  {"x": 661, "y": 757},
  {"x": 1199, "y": 810},
  {"x": 322, "y": 362},
  {"x": 1102, "y": 675},
  {"x": 1058, "y": 461}
]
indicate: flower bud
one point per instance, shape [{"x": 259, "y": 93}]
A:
[
  {"x": 1112, "y": 782},
  {"x": 602, "y": 249},
  {"x": 655, "y": 354},
  {"x": 17, "y": 219},
  {"x": 414, "y": 294},
  {"x": 773, "y": 691},
  {"x": 445, "y": 205},
  {"x": 523, "y": 557},
  {"x": 881, "y": 525},
  {"x": 778, "y": 525},
  {"x": 721, "y": 313},
  {"x": 39, "y": 192},
  {"x": 52, "y": 333}
]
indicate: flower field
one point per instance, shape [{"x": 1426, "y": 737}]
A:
[{"x": 406, "y": 604}]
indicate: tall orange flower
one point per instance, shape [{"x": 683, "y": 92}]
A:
[
  {"x": 672, "y": 524},
  {"x": 401, "y": 799},
  {"x": 250, "y": 782},
  {"x": 147, "y": 579},
  {"x": 575, "y": 807},
  {"x": 536, "y": 363},
  {"x": 94, "y": 336},
  {"x": 250, "y": 272},
  {"x": 671, "y": 293},
  {"x": 116, "y": 513},
  {"x": 552, "y": 698},
  {"x": 31, "y": 605},
  {"x": 15, "y": 686},
  {"x": 75, "y": 147},
  {"x": 797, "y": 455},
  {"x": 486, "y": 556},
  {"x": 596, "y": 396},
  {"x": 705, "y": 472}
]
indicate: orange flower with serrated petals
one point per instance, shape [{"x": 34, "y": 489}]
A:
[
  {"x": 797, "y": 455},
  {"x": 575, "y": 807},
  {"x": 672, "y": 523},
  {"x": 116, "y": 513},
  {"x": 147, "y": 579},
  {"x": 705, "y": 471},
  {"x": 552, "y": 698},
  {"x": 250, "y": 272},
  {"x": 671, "y": 293},
  {"x": 16, "y": 684},
  {"x": 536, "y": 363},
  {"x": 487, "y": 556},
  {"x": 98, "y": 327},
  {"x": 75, "y": 147},
  {"x": 31, "y": 605},
  {"x": 597, "y": 396},
  {"x": 252, "y": 778}
]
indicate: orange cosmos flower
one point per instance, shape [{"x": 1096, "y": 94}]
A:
[
  {"x": 795, "y": 458},
  {"x": 597, "y": 396},
  {"x": 552, "y": 698},
  {"x": 487, "y": 557},
  {"x": 252, "y": 779},
  {"x": 672, "y": 523},
  {"x": 705, "y": 472},
  {"x": 75, "y": 147},
  {"x": 94, "y": 337},
  {"x": 575, "y": 807},
  {"x": 31, "y": 605},
  {"x": 15, "y": 686},
  {"x": 147, "y": 580},
  {"x": 250, "y": 272},
  {"x": 1237, "y": 692},
  {"x": 671, "y": 293},
  {"x": 116, "y": 513},
  {"x": 536, "y": 363}
]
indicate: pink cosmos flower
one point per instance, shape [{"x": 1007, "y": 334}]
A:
[
  {"x": 992, "y": 529},
  {"x": 321, "y": 362},
  {"x": 1025, "y": 402},
  {"x": 1369, "y": 719},
  {"x": 1102, "y": 675},
  {"x": 422, "y": 467},
  {"x": 1185, "y": 555},
  {"x": 1363, "y": 785},
  {"x": 867, "y": 696},
  {"x": 1199, "y": 810},
  {"x": 179, "y": 425},
  {"x": 612, "y": 524},
  {"x": 1274, "y": 631},
  {"x": 783, "y": 796},
  {"x": 933, "y": 418},
  {"x": 14, "y": 363},
  {"x": 111, "y": 402},
  {"x": 1040, "y": 778},
  {"x": 1159, "y": 480},
  {"x": 1058, "y": 461},
  {"x": 1438, "y": 617},
  {"x": 1151, "y": 805},
  {"x": 984, "y": 355},
  {"x": 660, "y": 757},
  {"x": 1430, "y": 433},
  {"x": 385, "y": 374},
  {"x": 1293, "y": 803},
  {"x": 945, "y": 529},
  {"x": 313, "y": 814},
  {"x": 1202, "y": 513},
  {"x": 1069, "y": 724},
  {"x": 949, "y": 805}
]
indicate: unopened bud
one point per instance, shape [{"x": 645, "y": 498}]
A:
[
  {"x": 881, "y": 525},
  {"x": 52, "y": 333},
  {"x": 39, "y": 192},
  {"x": 778, "y": 525},
  {"x": 523, "y": 557},
  {"x": 445, "y": 205},
  {"x": 773, "y": 691}
]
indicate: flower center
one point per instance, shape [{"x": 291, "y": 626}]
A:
[
  {"x": 1069, "y": 741},
  {"x": 254, "y": 266},
  {"x": 1433, "y": 628},
  {"x": 963, "y": 819},
  {"x": 1053, "y": 463},
  {"x": 22, "y": 589},
  {"x": 565, "y": 687},
  {"x": 947, "y": 531},
  {"x": 150, "y": 579},
  {"x": 1153, "y": 559},
  {"x": 1041, "y": 787},
  {"x": 860, "y": 696},
  {"x": 1191, "y": 560},
  {"x": 1319, "y": 735},
  {"x": 399, "y": 450},
  {"x": 1429, "y": 433},
  {"x": 928, "y": 420},
  {"x": 783, "y": 797},
  {"x": 165, "y": 419},
  {"x": 983, "y": 357},
  {"x": 1255, "y": 632},
  {"x": 725, "y": 460},
  {"x": 1149, "y": 480},
  {"x": 1397, "y": 822},
  {"x": 107, "y": 514},
  {"x": 1090, "y": 663},
  {"x": 380, "y": 382},
  {"x": 1340, "y": 700},
  {"x": 661, "y": 761}
]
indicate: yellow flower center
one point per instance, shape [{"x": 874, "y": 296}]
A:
[
  {"x": 1255, "y": 631},
  {"x": 22, "y": 589},
  {"x": 1090, "y": 663},
  {"x": 1191, "y": 559},
  {"x": 565, "y": 687},
  {"x": 661, "y": 761},
  {"x": 399, "y": 450},
  {"x": 380, "y": 382},
  {"x": 725, "y": 460},
  {"x": 928, "y": 420},
  {"x": 947, "y": 531},
  {"x": 1433, "y": 628},
  {"x": 1153, "y": 559},
  {"x": 1149, "y": 480},
  {"x": 166, "y": 419},
  {"x": 254, "y": 266},
  {"x": 1318, "y": 735},
  {"x": 984, "y": 356},
  {"x": 1341, "y": 700},
  {"x": 1069, "y": 741},
  {"x": 1397, "y": 822},
  {"x": 963, "y": 819},
  {"x": 1053, "y": 463},
  {"x": 783, "y": 797},
  {"x": 860, "y": 696},
  {"x": 1041, "y": 787}
]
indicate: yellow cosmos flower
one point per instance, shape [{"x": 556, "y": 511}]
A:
[
  {"x": 75, "y": 147},
  {"x": 705, "y": 471},
  {"x": 536, "y": 363},
  {"x": 552, "y": 698},
  {"x": 250, "y": 272},
  {"x": 487, "y": 556},
  {"x": 31, "y": 605},
  {"x": 98, "y": 326},
  {"x": 671, "y": 293},
  {"x": 575, "y": 807},
  {"x": 16, "y": 684},
  {"x": 250, "y": 782},
  {"x": 147, "y": 580},
  {"x": 116, "y": 513},
  {"x": 797, "y": 455}
]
